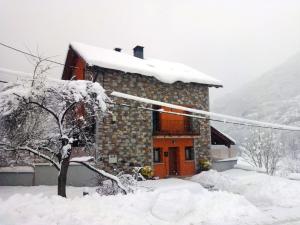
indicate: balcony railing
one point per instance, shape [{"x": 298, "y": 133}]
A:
[{"x": 174, "y": 127}]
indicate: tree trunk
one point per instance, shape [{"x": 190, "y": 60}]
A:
[{"x": 62, "y": 177}]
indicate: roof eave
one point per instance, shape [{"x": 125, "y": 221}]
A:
[
  {"x": 215, "y": 85},
  {"x": 101, "y": 67}
]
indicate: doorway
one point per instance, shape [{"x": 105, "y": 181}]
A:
[{"x": 173, "y": 161}]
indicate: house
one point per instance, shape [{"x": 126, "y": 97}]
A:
[
  {"x": 223, "y": 150},
  {"x": 222, "y": 145},
  {"x": 133, "y": 136}
]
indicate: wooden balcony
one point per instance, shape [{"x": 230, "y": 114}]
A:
[{"x": 173, "y": 127}]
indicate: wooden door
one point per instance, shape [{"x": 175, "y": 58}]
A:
[{"x": 173, "y": 170}]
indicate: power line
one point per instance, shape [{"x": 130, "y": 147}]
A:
[
  {"x": 145, "y": 108},
  {"x": 32, "y": 55},
  {"x": 198, "y": 117},
  {"x": 224, "y": 118}
]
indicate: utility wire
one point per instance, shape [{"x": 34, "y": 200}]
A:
[
  {"x": 32, "y": 55},
  {"x": 150, "y": 109},
  {"x": 199, "y": 117},
  {"x": 225, "y": 118}
]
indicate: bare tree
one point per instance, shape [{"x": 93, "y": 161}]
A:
[
  {"x": 44, "y": 117},
  {"x": 263, "y": 149}
]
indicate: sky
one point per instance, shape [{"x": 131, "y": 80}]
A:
[{"x": 234, "y": 41}]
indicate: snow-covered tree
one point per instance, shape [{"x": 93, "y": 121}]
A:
[
  {"x": 291, "y": 161},
  {"x": 262, "y": 149},
  {"x": 45, "y": 117}
]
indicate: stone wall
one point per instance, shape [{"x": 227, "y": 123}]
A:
[{"x": 127, "y": 131}]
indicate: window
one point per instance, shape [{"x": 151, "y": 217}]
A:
[
  {"x": 155, "y": 119},
  {"x": 189, "y": 153},
  {"x": 157, "y": 155}
]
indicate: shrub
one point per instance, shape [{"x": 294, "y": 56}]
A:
[
  {"x": 147, "y": 172},
  {"x": 204, "y": 164}
]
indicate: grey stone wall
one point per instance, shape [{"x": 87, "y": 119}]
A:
[{"x": 127, "y": 132}]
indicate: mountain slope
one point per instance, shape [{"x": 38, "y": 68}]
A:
[{"x": 272, "y": 97}]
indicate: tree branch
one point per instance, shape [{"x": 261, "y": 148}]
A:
[
  {"x": 49, "y": 111},
  {"x": 35, "y": 152},
  {"x": 66, "y": 111},
  {"x": 105, "y": 174}
]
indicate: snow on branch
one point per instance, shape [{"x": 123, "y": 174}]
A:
[
  {"x": 82, "y": 159},
  {"x": 42, "y": 114},
  {"x": 71, "y": 91},
  {"x": 105, "y": 174},
  {"x": 35, "y": 152}
]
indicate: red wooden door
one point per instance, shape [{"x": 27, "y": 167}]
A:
[{"x": 173, "y": 170}]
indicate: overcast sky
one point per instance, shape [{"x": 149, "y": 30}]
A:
[{"x": 232, "y": 40}]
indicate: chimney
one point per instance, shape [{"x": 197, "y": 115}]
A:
[
  {"x": 138, "y": 51},
  {"x": 118, "y": 49}
]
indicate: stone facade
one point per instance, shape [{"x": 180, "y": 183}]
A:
[{"x": 128, "y": 131}]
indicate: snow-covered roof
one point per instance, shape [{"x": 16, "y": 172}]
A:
[
  {"x": 227, "y": 136},
  {"x": 167, "y": 72}
]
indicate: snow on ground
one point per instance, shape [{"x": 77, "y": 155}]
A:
[
  {"x": 165, "y": 202},
  {"x": 277, "y": 197},
  {"x": 294, "y": 176}
]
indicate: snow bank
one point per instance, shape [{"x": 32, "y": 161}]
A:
[
  {"x": 294, "y": 176},
  {"x": 174, "y": 202},
  {"x": 249, "y": 168},
  {"x": 167, "y": 72},
  {"x": 212, "y": 179},
  {"x": 258, "y": 188},
  {"x": 173, "y": 206}
]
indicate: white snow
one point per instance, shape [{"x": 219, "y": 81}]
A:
[
  {"x": 228, "y": 136},
  {"x": 7, "y": 75},
  {"x": 294, "y": 176},
  {"x": 167, "y": 72},
  {"x": 277, "y": 197},
  {"x": 82, "y": 159},
  {"x": 65, "y": 150},
  {"x": 228, "y": 159},
  {"x": 249, "y": 168},
  {"x": 213, "y": 115},
  {"x": 77, "y": 91},
  {"x": 170, "y": 202}
]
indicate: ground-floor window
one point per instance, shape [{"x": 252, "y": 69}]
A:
[
  {"x": 157, "y": 155},
  {"x": 189, "y": 153}
]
